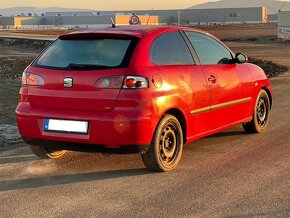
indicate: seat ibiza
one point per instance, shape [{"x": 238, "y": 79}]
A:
[{"x": 151, "y": 89}]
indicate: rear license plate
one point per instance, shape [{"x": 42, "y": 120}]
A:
[{"x": 66, "y": 126}]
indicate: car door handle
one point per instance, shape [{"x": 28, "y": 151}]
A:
[{"x": 212, "y": 79}]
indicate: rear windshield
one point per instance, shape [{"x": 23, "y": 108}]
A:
[{"x": 87, "y": 54}]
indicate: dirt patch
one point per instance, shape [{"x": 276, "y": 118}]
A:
[
  {"x": 248, "y": 32},
  {"x": 270, "y": 68},
  {"x": 13, "y": 64},
  {"x": 28, "y": 45},
  {"x": 9, "y": 135},
  {"x": 9, "y": 89},
  {"x": 12, "y": 67}
]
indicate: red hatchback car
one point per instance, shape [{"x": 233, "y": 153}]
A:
[{"x": 151, "y": 89}]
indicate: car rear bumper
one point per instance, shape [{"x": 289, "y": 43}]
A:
[{"x": 113, "y": 129}]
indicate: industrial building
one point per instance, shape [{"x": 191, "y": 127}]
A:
[
  {"x": 77, "y": 22},
  {"x": 89, "y": 19},
  {"x": 205, "y": 16},
  {"x": 12, "y": 22},
  {"x": 284, "y": 25}
]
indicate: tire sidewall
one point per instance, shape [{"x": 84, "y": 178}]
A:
[
  {"x": 264, "y": 94},
  {"x": 179, "y": 138}
]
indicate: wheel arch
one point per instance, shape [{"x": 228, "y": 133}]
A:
[
  {"x": 269, "y": 94},
  {"x": 182, "y": 120}
]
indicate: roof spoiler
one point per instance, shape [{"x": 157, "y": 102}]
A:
[{"x": 105, "y": 34}]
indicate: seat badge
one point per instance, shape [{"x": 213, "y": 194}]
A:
[{"x": 68, "y": 82}]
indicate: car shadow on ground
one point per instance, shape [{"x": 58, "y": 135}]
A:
[{"x": 46, "y": 181}]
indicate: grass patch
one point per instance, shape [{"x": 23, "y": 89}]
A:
[{"x": 9, "y": 89}]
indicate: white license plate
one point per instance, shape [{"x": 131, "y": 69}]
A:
[{"x": 67, "y": 126}]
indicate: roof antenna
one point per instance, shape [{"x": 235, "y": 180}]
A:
[
  {"x": 113, "y": 23},
  {"x": 148, "y": 19}
]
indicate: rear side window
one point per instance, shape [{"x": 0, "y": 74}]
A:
[
  {"x": 170, "y": 49},
  {"x": 87, "y": 54},
  {"x": 209, "y": 50}
]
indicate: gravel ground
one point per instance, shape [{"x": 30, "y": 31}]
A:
[
  {"x": 24, "y": 44},
  {"x": 11, "y": 67},
  {"x": 9, "y": 135},
  {"x": 271, "y": 69}
]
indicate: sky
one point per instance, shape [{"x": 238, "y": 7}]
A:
[{"x": 103, "y": 4}]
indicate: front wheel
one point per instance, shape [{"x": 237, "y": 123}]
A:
[
  {"x": 46, "y": 153},
  {"x": 261, "y": 115},
  {"x": 166, "y": 147}
]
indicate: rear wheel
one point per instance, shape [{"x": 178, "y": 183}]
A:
[
  {"x": 46, "y": 153},
  {"x": 166, "y": 147},
  {"x": 261, "y": 115}
]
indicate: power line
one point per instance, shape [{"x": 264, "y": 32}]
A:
[{"x": 281, "y": 6}]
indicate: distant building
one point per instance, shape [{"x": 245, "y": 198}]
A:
[
  {"x": 89, "y": 19},
  {"x": 273, "y": 18},
  {"x": 205, "y": 16},
  {"x": 71, "y": 21},
  {"x": 284, "y": 25},
  {"x": 13, "y": 22}
]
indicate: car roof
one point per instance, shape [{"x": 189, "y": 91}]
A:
[{"x": 136, "y": 31}]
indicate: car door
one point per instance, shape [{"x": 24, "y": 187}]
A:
[
  {"x": 184, "y": 80},
  {"x": 230, "y": 83}
]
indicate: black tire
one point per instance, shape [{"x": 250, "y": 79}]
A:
[
  {"x": 166, "y": 147},
  {"x": 261, "y": 114},
  {"x": 46, "y": 153}
]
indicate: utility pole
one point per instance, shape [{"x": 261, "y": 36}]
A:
[{"x": 178, "y": 18}]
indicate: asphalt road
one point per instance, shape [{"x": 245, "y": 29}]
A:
[{"x": 230, "y": 174}]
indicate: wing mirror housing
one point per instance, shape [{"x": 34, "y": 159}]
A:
[{"x": 241, "y": 58}]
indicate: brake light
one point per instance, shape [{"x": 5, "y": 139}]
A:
[
  {"x": 117, "y": 82},
  {"x": 112, "y": 82},
  {"x": 135, "y": 82},
  {"x": 31, "y": 79},
  {"x": 129, "y": 83}
]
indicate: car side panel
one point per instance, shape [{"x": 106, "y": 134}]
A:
[
  {"x": 183, "y": 88},
  {"x": 231, "y": 93}
]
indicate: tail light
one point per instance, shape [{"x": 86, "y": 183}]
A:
[
  {"x": 31, "y": 79},
  {"x": 117, "y": 82},
  {"x": 135, "y": 82},
  {"x": 112, "y": 82}
]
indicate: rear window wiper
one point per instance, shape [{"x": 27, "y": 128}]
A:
[{"x": 87, "y": 66}]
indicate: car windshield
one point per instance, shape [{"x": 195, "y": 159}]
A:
[{"x": 87, "y": 54}]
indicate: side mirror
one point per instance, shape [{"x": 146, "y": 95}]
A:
[{"x": 241, "y": 58}]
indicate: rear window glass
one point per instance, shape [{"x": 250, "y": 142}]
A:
[{"x": 87, "y": 54}]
